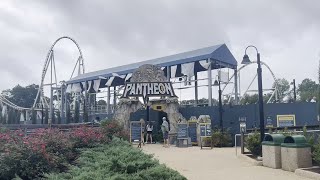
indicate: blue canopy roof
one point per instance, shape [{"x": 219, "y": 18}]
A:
[{"x": 220, "y": 56}]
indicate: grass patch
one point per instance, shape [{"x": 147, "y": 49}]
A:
[{"x": 117, "y": 160}]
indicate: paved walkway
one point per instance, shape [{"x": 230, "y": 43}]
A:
[{"x": 217, "y": 164}]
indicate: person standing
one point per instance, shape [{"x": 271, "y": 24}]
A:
[
  {"x": 142, "y": 130},
  {"x": 165, "y": 131},
  {"x": 149, "y": 132}
]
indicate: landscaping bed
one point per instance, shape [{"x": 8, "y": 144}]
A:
[{"x": 81, "y": 153}]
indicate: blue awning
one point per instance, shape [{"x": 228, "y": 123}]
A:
[{"x": 219, "y": 55}]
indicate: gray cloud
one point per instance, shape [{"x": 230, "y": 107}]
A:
[{"x": 113, "y": 33}]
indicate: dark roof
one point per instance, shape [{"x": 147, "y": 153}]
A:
[{"x": 219, "y": 54}]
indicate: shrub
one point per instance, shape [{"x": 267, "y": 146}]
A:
[
  {"x": 253, "y": 144},
  {"x": 221, "y": 139},
  {"x": 87, "y": 137},
  {"x": 117, "y": 160},
  {"x": 112, "y": 128},
  {"x": 24, "y": 157},
  {"x": 316, "y": 153}
]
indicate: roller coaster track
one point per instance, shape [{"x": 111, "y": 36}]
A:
[
  {"x": 254, "y": 62},
  {"x": 48, "y": 60},
  {"x": 40, "y": 94}
]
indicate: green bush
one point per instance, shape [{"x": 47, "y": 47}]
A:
[
  {"x": 316, "y": 153},
  {"x": 253, "y": 144},
  {"x": 112, "y": 128},
  {"x": 117, "y": 160},
  {"x": 221, "y": 139}
]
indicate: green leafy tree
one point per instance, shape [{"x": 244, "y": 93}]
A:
[
  {"x": 76, "y": 113},
  {"x": 33, "y": 116},
  {"x": 283, "y": 87},
  {"x": 46, "y": 116},
  {"x": 22, "y": 96},
  {"x": 318, "y": 91},
  {"x": 59, "y": 117},
  {"x": 307, "y": 89},
  {"x": 102, "y": 102},
  {"x": 249, "y": 99},
  {"x": 68, "y": 115},
  {"x": 12, "y": 116},
  {"x": 53, "y": 117}
]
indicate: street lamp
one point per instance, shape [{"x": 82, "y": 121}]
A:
[
  {"x": 246, "y": 60},
  {"x": 218, "y": 83},
  {"x": 294, "y": 90}
]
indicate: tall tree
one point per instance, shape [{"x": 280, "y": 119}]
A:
[
  {"x": 68, "y": 115},
  {"x": 76, "y": 113},
  {"x": 59, "y": 117},
  {"x": 34, "y": 116},
  {"x": 318, "y": 91},
  {"x": 22, "y": 96},
  {"x": 249, "y": 99},
  {"x": 53, "y": 118},
  {"x": 46, "y": 117},
  {"x": 283, "y": 87},
  {"x": 307, "y": 89}
]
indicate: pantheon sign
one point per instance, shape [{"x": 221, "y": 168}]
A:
[{"x": 148, "y": 89}]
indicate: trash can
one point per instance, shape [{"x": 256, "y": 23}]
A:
[
  {"x": 295, "y": 153},
  {"x": 271, "y": 150}
]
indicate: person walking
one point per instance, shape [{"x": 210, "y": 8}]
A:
[
  {"x": 149, "y": 132},
  {"x": 165, "y": 131}
]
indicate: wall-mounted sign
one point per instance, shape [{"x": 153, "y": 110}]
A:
[
  {"x": 286, "y": 120},
  {"x": 243, "y": 124},
  {"x": 148, "y": 89},
  {"x": 269, "y": 123},
  {"x": 205, "y": 129}
]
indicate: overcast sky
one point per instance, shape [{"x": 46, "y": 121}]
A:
[{"x": 118, "y": 32}]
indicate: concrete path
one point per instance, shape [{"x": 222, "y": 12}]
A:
[{"x": 217, "y": 164}]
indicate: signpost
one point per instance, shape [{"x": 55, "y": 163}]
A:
[
  {"x": 243, "y": 130},
  {"x": 205, "y": 131},
  {"x": 286, "y": 120},
  {"x": 182, "y": 131},
  {"x": 193, "y": 131},
  {"x": 136, "y": 132},
  {"x": 182, "y": 134}
]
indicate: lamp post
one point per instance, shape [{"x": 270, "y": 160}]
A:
[
  {"x": 294, "y": 90},
  {"x": 218, "y": 83},
  {"x": 246, "y": 60}
]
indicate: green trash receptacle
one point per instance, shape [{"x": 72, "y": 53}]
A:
[
  {"x": 295, "y": 153},
  {"x": 271, "y": 150}
]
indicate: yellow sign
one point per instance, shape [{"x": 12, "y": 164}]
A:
[
  {"x": 286, "y": 120},
  {"x": 158, "y": 107}
]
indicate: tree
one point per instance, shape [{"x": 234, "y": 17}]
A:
[
  {"x": 249, "y": 99},
  {"x": 76, "y": 113},
  {"x": 59, "y": 117},
  {"x": 283, "y": 87},
  {"x": 68, "y": 115},
  {"x": 34, "y": 117},
  {"x": 46, "y": 116},
  {"x": 102, "y": 102},
  {"x": 53, "y": 119},
  {"x": 22, "y": 96},
  {"x": 307, "y": 89}
]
